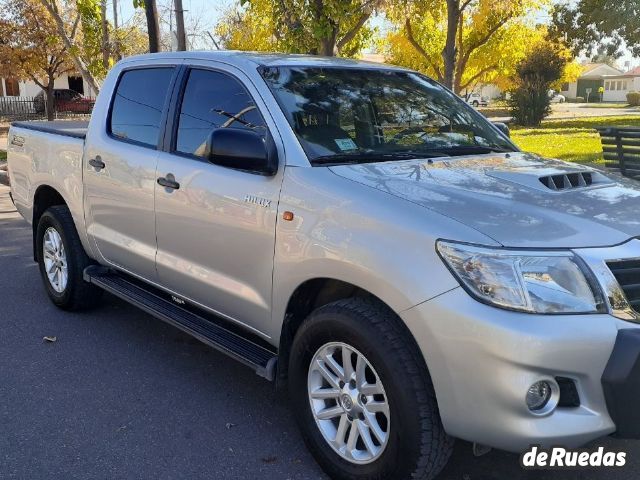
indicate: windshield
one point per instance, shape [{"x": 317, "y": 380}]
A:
[{"x": 344, "y": 115}]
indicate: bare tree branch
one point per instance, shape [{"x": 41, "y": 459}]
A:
[
  {"x": 52, "y": 8},
  {"x": 368, "y": 9},
  {"x": 420, "y": 50},
  {"x": 478, "y": 75}
]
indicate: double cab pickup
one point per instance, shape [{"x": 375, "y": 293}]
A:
[{"x": 360, "y": 235}]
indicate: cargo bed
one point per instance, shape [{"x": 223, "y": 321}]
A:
[{"x": 76, "y": 129}]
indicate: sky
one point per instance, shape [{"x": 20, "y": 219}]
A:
[
  {"x": 209, "y": 10},
  {"x": 206, "y": 14}
]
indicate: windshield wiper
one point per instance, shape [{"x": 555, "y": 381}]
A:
[
  {"x": 472, "y": 149},
  {"x": 366, "y": 157}
]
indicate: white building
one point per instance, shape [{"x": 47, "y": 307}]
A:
[
  {"x": 590, "y": 80},
  {"x": 616, "y": 87},
  {"x": 12, "y": 87}
]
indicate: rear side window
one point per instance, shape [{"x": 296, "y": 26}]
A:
[
  {"x": 138, "y": 105},
  {"x": 214, "y": 100}
]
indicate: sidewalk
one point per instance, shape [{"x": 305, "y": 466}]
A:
[
  {"x": 7, "y": 210},
  {"x": 4, "y": 180}
]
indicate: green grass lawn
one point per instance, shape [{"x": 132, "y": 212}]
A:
[
  {"x": 571, "y": 140},
  {"x": 3, "y": 155}
]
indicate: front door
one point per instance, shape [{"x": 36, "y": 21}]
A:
[
  {"x": 120, "y": 171},
  {"x": 216, "y": 232}
]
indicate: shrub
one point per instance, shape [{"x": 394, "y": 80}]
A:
[
  {"x": 530, "y": 101},
  {"x": 633, "y": 98}
]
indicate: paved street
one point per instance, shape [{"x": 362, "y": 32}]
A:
[
  {"x": 570, "y": 111},
  {"x": 121, "y": 395}
]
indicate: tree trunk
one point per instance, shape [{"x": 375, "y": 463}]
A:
[
  {"x": 116, "y": 43},
  {"x": 50, "y": 100},
  {"x": 450, "y": 50},
  {"x": 327, "y": 48},
  {"x": 106, "y": 53},
  {"x": 180, "y": 33},
  {"x": 328, "y": 45},
  {"x": 153, "y": 27}
]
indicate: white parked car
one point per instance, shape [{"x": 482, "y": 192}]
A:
[
  {"x": 556, "y": 97},
  {"x": 476, "y": 100}
]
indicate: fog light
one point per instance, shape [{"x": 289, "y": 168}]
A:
[{"x": 538, "y": 395}]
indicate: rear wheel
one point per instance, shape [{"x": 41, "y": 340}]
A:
[
  {"x": 62, "y": 260},
  {"x": 475, "y": 103},
  {"x": 362, "y": 395}
]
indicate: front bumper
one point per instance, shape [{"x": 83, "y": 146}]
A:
[
  {"x": 621, "y": 383},
  {"x": 482, "y": 361}
]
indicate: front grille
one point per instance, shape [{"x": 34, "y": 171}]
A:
[{"x": 627, "y": 272}]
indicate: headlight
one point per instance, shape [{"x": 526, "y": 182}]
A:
[{"x": 536, "y": 282}]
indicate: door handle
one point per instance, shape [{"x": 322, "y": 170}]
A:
[
  {"x": 97, "y": 163},
  {"x": 169, "y": 182}
]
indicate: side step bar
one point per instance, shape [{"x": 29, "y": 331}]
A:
[{"x": 256, "y": 356}]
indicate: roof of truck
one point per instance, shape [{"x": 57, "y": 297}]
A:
[{"x": 254, "y": 59}]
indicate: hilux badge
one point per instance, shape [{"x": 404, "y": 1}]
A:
[{"x": 261, "y": 202}]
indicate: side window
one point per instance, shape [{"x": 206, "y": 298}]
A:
[
  {"x": 213, "y": 100},
  {"x": 138, "y": 103}
]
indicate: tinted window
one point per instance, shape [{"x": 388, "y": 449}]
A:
[
  {"x": 214, "y": 100},
  {"x": 363, "y": 115},
  {"x": 138, "y": 103}
]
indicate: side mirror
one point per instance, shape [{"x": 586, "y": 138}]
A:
[
  {"x": 242, "y": 150},
  {"x": 503, "y": 127}
]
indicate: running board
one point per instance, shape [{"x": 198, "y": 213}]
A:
[{"x": 147, "y": 298}]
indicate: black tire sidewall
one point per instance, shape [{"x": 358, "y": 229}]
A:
[
  {"x": 48, "y": 220},
  {"x": 402, "y": 450}
]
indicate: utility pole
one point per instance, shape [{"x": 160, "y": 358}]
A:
[
  {"x": 153, "y": 26},
  {"x": 180, "y": 33}
]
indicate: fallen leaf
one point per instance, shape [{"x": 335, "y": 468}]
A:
[
  {"x": 49, "y": 339},
  {"x": 271, "y": 459}
]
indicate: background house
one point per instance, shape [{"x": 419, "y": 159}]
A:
[
  {"x": 13, "y": 87},
  {"x": 592, "y": 77},
  {"x": 616, "y": 87}
]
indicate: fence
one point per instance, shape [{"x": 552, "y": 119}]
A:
[
  {"x": 34, "y": 108},
  {"x": 621, "y": 149}
]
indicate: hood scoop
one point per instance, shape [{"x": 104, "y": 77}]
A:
[
  {"x": 554, "y": 180},
  {"x": 565, "y": 181}
]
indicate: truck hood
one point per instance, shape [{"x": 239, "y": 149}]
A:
[{"x": 517, "y": 199}]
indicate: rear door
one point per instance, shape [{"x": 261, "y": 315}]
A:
[
  {"x": 120, "y": 169},
  {"x": 216, "y": 232}
]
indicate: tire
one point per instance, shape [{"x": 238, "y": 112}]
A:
[
  {"x": 475, "y": 103},
  {"x": 417, "y": 445},
  {"x": 74, "y": 293}
]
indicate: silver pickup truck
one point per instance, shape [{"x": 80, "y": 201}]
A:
[{"x": 357, "y": 233}]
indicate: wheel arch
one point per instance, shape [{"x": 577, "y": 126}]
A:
[
  {"x": 44, "y": 197},
  {"x": 307, "y": 297}
]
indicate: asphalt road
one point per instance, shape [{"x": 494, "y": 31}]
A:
[{"x": 122, "y": 395}]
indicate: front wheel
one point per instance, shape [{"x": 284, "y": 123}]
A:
[
  {"x": 362, "y": 395},
  {"x": 62, "y": 260}
]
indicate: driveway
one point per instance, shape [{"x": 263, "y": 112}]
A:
[{"x": 120, "y": 395}]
